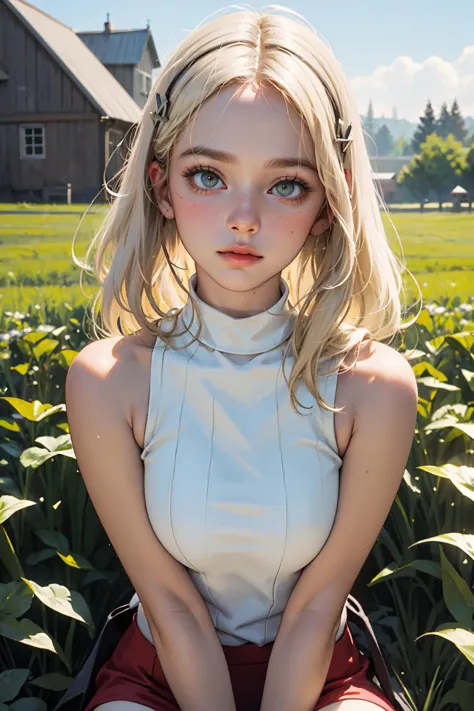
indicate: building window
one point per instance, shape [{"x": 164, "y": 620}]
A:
[
  {"x": 32, "y": 141},
  {"x": 146, "y": 83}
]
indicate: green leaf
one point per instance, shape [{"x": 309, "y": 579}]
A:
[
  {"x": 34, "y": 457},
  {"x": 463, "y": 639},
  {"x": 407, "y": 478},
  {"x": 464, "y": 695},
  {"x": 10, "y": 505},
  {"x": 55, "y": 444},
  {"x": 469, "y": 375},
  {"x": 11, "y": 682},
  {"x": 462, "y": 477},
  {"x": 54, "y": 539},
  {"x": 464, "y": 541},
  {"x": 65, "y": 357},
  {"x": 423, "y": 367},
  {"x": 457, "y": 595},
  {"x": 10, "y": 426},
  {"x": 15, "y": 599},
  {"x": 437, "y": 384},
  {"x": 53, "y": 681},
  {"x": 467, "y": 428},
  {"x": 8, "y": 557},
  {"x": 44, "y": 347},
  {"x": 462, "y": 342},
  {"x": 40, "y": 556},
  {"x": 409, "y": 570},
  {"x": 29, "y": 704},
  {"x": 34, "y": 411},
  {"x": 26, "y": 632},
  {"x": 66, "y": 602},
  {"x": 75, "y": 560}
]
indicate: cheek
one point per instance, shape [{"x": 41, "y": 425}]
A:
[
  {"x": 193, "y": 212},
  {"x": 293, "y": 226}
]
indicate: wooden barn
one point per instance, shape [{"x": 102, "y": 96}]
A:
[
  {"x": 62, "y": 112},
  {"x": 130, "y": 55}
]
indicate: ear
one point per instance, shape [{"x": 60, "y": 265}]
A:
[
  {"x": 161, "y": 189},
  {"x": 326, "y": 216}
]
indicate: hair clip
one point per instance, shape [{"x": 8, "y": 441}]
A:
[
  {"x": 161, "y": 108},
  {"x": 343, "y": 138}
]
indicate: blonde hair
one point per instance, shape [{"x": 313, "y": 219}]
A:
[{"x": 345, "y": 284}]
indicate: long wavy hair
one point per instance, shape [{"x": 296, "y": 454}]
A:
[{"x": 345, "y": 284}]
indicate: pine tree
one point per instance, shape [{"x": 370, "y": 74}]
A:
[
  {"x": 458, "y": 127},
  {"x": 369, "y": 120},
  {"x": 444, "y": 122},
  {"x": 426, "y": 126},
  {"x": 369, "y": 130},
  {"x": 384, "y": 141}
]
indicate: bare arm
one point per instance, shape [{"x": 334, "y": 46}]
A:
[{"x": 108, "y": 456}]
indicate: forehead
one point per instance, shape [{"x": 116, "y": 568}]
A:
[{"x": 248, "y": 119}]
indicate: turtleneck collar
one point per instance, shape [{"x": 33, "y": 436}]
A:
[{"x": 242, "y": 336}]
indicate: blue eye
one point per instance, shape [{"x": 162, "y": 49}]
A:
[
  {"x": 288, "y": 187},
  {"x": 207, "y": 178}
]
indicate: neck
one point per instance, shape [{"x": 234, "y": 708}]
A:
[
  {"x": 238, "y": 304},
  {"x": 253, "y": 334}
]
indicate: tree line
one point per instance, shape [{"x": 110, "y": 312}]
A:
[
  {"x": 439, "y": 165},
  {"x": 381, "y": 142}
]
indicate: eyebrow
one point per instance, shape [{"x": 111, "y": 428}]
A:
[{"x": 229, "y": 158}]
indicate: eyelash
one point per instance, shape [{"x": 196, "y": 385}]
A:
[{"x": 191, "y": 172}]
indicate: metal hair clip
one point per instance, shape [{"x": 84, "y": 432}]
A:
[
  {"x": 161, "y": 109},
  {"x": 343, "y": 138}
]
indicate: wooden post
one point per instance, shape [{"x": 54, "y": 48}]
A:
[{"x": 69, "y": 192}]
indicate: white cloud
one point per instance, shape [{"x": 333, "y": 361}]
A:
[{"x": 408, "y": 85}]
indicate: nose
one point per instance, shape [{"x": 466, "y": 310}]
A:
[{"x": 244, "y": 220}]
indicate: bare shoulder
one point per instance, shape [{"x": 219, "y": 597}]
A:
[
  {"x": 381, "y": 375},
  {"x": 119, "y": 367}
]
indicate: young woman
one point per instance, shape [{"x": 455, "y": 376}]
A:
[{"x": 242, "y": 429}]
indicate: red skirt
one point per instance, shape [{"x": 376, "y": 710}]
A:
[{"x": 134, "y": 673}]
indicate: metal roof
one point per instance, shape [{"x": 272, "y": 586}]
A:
[
  {"x": 120, "y": 46},
  {"x": 459, "y": 190},
  {"x": 384, "y": 176},
  {"x": 80, "y": 64}
]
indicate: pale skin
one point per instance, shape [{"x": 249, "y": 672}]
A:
[{"x": 246, "y": 203}]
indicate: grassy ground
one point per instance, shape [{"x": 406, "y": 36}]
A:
[{"x": 36, "y": 263}]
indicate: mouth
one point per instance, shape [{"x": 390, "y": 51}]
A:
[
  {"x": 240, "y": 250},
  {"x": 239, "y": 256}
]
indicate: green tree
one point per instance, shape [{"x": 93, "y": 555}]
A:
[
  {"x": 444, "y": 161},
  {"x": 369, "y": 129},
  {"x": 458, "y": 127},
  {"x": 400, "y": 146},
  {"x": 426, "y": 126},
  {"x": 467, "y": 176},
  {"x": 444, "y": 122},
  {"x": 414, "y": 176},
  {"x": 384, "y": 141}
]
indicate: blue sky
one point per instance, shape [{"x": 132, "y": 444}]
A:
[{"x": 366, "y": 36}]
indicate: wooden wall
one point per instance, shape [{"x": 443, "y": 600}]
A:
[
  {"x": 124, "y": 74},
  {"x": 39, "y": 91}
]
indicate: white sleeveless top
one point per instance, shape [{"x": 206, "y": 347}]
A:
[{"x": 239, "y": 488}]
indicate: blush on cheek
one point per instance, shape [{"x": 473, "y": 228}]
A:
[{"x": 197, "y": 212}]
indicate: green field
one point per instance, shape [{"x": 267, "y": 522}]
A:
[{"x": 36, "y": 265}]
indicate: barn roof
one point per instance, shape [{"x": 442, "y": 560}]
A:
[
  {"x": 80, "y": 64},
  {"x": 120, "y": 46},
  {"x": 384, "y": 176}
]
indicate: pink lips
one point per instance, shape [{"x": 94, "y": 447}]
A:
[{"x": 239, "y": 259}]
